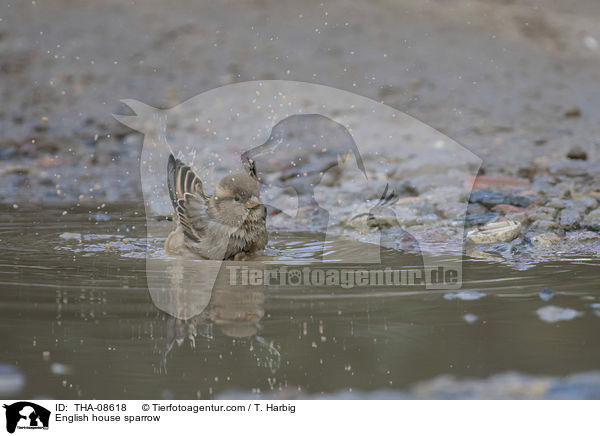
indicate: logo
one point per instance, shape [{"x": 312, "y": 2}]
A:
[
  {"x": 26, "y": 415},
  {"x": 355, "y": 194}
]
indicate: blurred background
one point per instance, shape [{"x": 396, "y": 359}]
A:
[{"x": 508, "y": 80}]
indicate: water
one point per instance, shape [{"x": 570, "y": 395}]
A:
[{"x": 77, "y": 321}]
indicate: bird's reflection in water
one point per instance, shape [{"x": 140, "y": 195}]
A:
[{"x": 232, "y": 312}]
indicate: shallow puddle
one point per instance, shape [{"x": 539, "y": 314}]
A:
[{"x": 77, "y": 321}]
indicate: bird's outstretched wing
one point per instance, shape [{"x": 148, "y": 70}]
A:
[{"x": 189, "y": 201}]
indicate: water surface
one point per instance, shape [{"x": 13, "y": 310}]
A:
[{"x": 77, "y": 321}]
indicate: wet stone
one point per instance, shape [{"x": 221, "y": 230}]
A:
[
  {"x": 480, "y": 218},
  {"x": 557, "y": 203},
  {"x": 576, "y": 152},
  {"x": 581, "y": 236},
  {"x": 545, "y": 240},
  {"x": 520, "y": 217},
  {"x": 476, "y": 208},
  {"x": 544, "y": 225},
  {"x": 592, "y": 220},
  {"x": 573, "y": 112},
  {"x": 507, "y": 208},
  {"x": 451, "y": 210},
  {"x": 569, "y": 219},
  {"x": 490, "y": 199},
  {"x": 571, "y": 168},
  {"x": 544, "y": 212},
  {"x": 585, "y": 204}
]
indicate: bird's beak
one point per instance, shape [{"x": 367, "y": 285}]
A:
[{"x": 254, "y": 202}]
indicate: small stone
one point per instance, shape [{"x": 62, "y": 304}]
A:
[
  {"x": 491, "y": 233},
  {"x": 592, "y": 220},
  {"x": 480, "y": 218},
  {"x": 476, "y": 208},
  {"x": 569, "y": 219},
  {"x": 545, "y": 240},
  {"x": 520, "y": 217},
  {"x": 452, "y": 210},
  {"x": 557, "y": 203},
  {"x": 490, "y": 199},
  {"x": 519, "y": 200},
  {"x": 486, "y": 182},
  {"x": 544, "y": 212},
  {"x": 570, "y": 168},
  {"x": 507, "y": 208},
  {"x": 573, "y": 112},
  {"x": 544, "y": 225},
  {"x": 546, "y": 294},
  {"x": 577, "y": 153},
  {"x": 487, "y": 198},
  {"x": 585, "y": 204},
  {"x": 581, "y": 236}
]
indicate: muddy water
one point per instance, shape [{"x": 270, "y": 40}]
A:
[{"x": 77, "y": 321}]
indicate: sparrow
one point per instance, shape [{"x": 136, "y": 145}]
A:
[{"x": 228, "y": 225}]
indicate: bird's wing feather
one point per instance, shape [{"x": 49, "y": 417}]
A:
[
  {"x": 182, "y": 180},
  {"x": 189, "y": 201}
]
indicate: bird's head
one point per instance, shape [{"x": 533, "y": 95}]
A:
[{"x": 237, "y": 200}]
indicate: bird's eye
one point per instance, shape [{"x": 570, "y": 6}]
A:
[{"x": 236, "y": 198}]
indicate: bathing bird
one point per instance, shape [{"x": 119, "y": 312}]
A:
[{"x": 228, "y": 225}]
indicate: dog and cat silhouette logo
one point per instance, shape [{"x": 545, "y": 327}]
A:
[{"x": 26, "y": 415}]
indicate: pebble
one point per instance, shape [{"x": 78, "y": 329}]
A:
[
  {"x": 504, "y": 231},
  {"x": 487, "y": 198},
  {"x": 555, "y": 313},
  {"x": 592, "y": 220},
  {"x": 573, "y": 112},
  {"x": 480, "y": 218},
  {"x": 543, "y": 213},
  {"x": 507, "y": 208},
  {"x": 577, "y": 153},
  {"x": 520, "y": 217},
  {"x": 557, "y": 203},
  {"x": 582, "y": 235},
  {"x": 544, "y": 225},
  {"x": 545, "y": 240},
  {"x": 569, "y": 219},
  {"x": 490, "y": 199},
  {"x": 585, "y": 204},
  {"x": 452, "y": 210},
  {"x": 475, "y": 208},
  {"x": 570, "y": 168}
]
